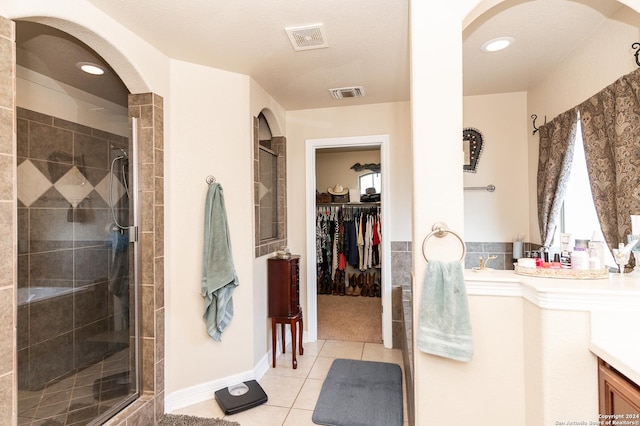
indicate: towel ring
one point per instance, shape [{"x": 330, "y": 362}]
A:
[{"x": 440, "y": 230}]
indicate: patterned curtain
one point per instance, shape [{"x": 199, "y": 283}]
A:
[
  {"x": 554, "y": 164},
  {"x": 611, "y": 134}
]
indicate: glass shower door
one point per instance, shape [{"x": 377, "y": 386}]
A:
[{"x": 76, "y": 317}]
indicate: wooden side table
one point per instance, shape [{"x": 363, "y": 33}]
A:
[{"x": 297, "y": 327}]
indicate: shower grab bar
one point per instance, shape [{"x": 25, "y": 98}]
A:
[{"x": 489, "y": 188}]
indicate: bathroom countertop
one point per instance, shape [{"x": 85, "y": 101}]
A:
[
  {"x": 621, "y": 354},
  {"x": 615, "y": 292},
  {"x": 614, "y": 304}
]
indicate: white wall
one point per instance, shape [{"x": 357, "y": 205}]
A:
[
  {"x": 211, "y": 134},
  {"x": 375, "y": 119},
  {"x": 335, "y": 168},
  {"x": 436, "y": 102},
  {"x": 501, "y": 215},
  {"x": 387, "y": 118}
]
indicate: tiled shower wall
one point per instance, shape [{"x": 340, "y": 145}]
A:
[
  {"x": 59, "y": 246},
  {"x": 8, "y": 389},
  {"x": 148, "y": 109},
  {"x": 401, "y": 297},
  {"x": 147, "y": 410}
]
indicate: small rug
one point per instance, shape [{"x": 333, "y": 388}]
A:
[
  {"x": 360, "y": 393},
  {"x": 183, "y": 420}
]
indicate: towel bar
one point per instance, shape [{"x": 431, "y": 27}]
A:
[{"x": 440, "y": 230}]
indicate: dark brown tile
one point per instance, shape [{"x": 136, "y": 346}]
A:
[
  {"x": 50, "y": 318},
  {"x": 91, "y": 265},
  {"x": 22, "y": 138},
  {"x": 50, "y": 360},
  {"x": 52, "y": 269},
  {"x": 49, "y": 230},
  {"x": 91, "y": 152},
  {"x": 74, "y": 127},
  {"x": 50, "y": 143}
]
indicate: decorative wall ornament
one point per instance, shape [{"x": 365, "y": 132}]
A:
[
  {"x": 472, "y": 146},
  {"x": 374, "y": 167}
]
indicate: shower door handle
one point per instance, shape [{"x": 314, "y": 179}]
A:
[{"x": 133, "y": 234}]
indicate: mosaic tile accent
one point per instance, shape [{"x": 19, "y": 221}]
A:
[{"x": 34, "y": 183}]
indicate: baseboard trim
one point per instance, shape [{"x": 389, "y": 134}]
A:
[{"x": 206, "y": 391}]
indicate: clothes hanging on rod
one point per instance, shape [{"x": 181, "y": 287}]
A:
[{"x": 346, "y": 235}]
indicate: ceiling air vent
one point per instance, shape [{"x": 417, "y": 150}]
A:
[
  {"x": 307, "y": 37},
  {"x": 347, "y": 92}
]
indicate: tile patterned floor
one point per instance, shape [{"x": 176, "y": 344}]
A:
[
  {"x": 293, "y": 393},
  {"x": 73, "y": 400}
]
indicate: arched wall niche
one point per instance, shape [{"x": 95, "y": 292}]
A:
[{"x": 274, "y": 125}]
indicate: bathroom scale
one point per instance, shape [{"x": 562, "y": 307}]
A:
[{"x": 240, "y": 397}]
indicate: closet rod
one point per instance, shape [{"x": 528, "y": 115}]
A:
[{"x": 371, "y": 204}]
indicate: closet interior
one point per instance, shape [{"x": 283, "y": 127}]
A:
[{"x": 349, "y": 232}]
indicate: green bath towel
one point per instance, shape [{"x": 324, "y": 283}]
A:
[
  {"x": 219, "y": 277},
  {"x": 444, "y": 326}
]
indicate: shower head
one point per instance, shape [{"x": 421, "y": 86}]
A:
[{"x": 118, "y": 153}]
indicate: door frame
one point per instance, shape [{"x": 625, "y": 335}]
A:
[{"x": 311, "y": 145}]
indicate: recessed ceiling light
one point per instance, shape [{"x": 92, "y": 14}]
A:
[
  {"x": 91, "y": 68},
  {"x": 497, "y": 44}
]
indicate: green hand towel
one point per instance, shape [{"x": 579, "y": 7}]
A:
[
  {"x": 444, "y": 326},
  {"x": 219, "y": 277}
]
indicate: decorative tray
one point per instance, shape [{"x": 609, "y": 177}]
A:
[{"x": 575, "y": 274}]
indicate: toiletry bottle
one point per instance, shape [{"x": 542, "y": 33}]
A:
[
  {"x": 579, "y": 258},
  {"x": 596, "y": 250}
]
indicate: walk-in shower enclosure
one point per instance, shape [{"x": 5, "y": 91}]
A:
[{"x": 76, "y": 292}]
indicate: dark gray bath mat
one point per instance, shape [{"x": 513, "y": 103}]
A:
[{"x": 360, "y": 393}]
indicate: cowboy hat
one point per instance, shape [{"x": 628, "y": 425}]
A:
[{"x": 338, "y": 190}]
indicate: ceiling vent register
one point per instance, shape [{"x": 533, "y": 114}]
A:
[
  {"x": 307, "y": 37},
  {"x": 347, "y": 92}
]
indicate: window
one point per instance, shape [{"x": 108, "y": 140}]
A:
[
  {"x": 270, "y": 189},
  {"x": 370, "y": 180},
  {"x": 579, "y": 213},
  {"x": 268, "y": 194}
]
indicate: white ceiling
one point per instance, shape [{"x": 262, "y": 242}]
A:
[
  {"x": 545, "y": 32},
  {"x": 368, "y": 43}
]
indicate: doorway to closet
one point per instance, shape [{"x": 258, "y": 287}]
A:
[{"x": 362, "y": 288}]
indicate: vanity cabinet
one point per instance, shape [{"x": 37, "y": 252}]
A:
[
  {"x": 283, "y": 277},
  {"x": 617, "y": 394}
]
